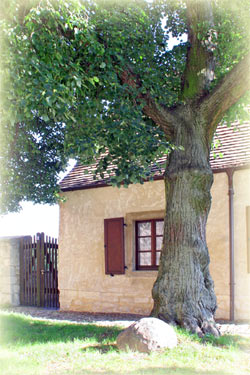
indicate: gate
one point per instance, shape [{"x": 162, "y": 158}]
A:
[{"x": 38, "y": 271}]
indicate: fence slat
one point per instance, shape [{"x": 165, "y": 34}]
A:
[
  {"x": 49, "y": 277},
  {"x": 33, "y": 273},
  {"x": 38, "y": 272},
  {"x": 29, "y": 272},
  {"x": 35, "y": 270},
  {"x": 45, "y": 273},
  {"x": 22, "y": 272},
  {"x": 56, "y": 277},
  {"x": 42, "y": 286},
  {"x": 52, "y": 271},
  {"x": 26, "y": 273}
]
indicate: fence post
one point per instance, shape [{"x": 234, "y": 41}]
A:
[
  {"x": 38, "y": 275},
  {"x": 21, "y": 254},
  {"x": 40, "y": 269},
  {"x": 42, "y": 272}
]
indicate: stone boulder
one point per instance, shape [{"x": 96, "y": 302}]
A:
[{"x": 146, "y": 335}]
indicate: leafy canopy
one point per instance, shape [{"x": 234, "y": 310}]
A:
[{"x": 63, "y": 95}]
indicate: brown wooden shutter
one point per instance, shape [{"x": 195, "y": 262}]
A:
[{"x": 114, "y": 246}]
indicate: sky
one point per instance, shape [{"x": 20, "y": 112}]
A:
[
  {"x": 39, "y": 218},
  {"x": 33, "y": 218}
]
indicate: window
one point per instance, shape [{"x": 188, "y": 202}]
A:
[{"x": 149, "y": 236}]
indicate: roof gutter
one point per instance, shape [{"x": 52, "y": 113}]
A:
[{"x": 230, "y": 172}]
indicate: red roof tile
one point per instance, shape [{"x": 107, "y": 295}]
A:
[{"x": 233, "y": 151}]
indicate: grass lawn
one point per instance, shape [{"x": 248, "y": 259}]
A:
[{"x": 39, "y": 347}]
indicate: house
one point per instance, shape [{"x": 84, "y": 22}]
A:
[{"x": 97, "y": 279}]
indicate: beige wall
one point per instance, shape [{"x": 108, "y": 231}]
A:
[
  {"x": 218, "y": 243},
  {"x": 242, "y": 277},
  {"x": 82, "y": 282}
]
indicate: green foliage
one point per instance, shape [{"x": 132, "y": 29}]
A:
[
  {"x": 62, "y": 94},
  {"x": 232, "y": 34}
]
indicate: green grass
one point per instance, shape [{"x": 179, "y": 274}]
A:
[{"x": 38, "y": 347}]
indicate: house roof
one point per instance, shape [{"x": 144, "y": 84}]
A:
[{"x": 232, "y": 150}]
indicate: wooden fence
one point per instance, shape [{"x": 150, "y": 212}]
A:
[{"x": 38, "y": 271}]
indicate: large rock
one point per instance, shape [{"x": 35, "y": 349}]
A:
[{"x": 146, "y": 335}]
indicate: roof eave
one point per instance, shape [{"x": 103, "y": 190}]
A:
[{"x": 100, "y": 184}]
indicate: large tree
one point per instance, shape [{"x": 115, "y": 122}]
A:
[{"x": 99, "y": 82}]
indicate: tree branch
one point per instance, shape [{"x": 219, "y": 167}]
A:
[
  {"x": 156, "y": 112},
  {"x": 231, "y": 88},
  {"x": 160, "y": 115},
  {"x": 199, "y": 71}
]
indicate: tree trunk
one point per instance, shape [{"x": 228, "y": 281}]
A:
[{"x": 183, "y": 292}]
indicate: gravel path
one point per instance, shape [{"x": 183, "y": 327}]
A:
[
  {"x": 76, "y": 317},
  {"x": 123, "y": 320}
]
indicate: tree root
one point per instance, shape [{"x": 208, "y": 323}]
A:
[{"x": 207, "y": 327}]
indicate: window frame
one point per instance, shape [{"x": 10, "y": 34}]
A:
[{"x": 153, "y": 249}]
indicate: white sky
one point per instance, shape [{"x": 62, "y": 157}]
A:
[
  {"x": 34, "y": 218},
  {"x": 31, "y": 220},
  {"x": 40, "y": 218}
]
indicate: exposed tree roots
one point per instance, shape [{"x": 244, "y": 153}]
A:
[{"x": 201, "y": 328}]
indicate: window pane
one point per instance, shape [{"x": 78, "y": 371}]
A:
[
  {"x": 159, "y": 227},
  {"x": 145, "y": 259},
  {"x": 144, "y": 229},
  {"x": 159, "y": 243},
  {"x": 145, "y": 243},
  {"x": 158, "y": 254}
]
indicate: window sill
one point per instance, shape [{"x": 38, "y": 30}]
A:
[{"x": 142, "y": 273}]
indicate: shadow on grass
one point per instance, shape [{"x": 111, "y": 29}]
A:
[
  {"x": 17, "y": 329},
  {"x": 227, "y": 340},
  {"x": 224, "y": 341},
  {"x": 175, "y": 370}
]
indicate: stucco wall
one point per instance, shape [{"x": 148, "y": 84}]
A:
[
  {"x": 242, "y": 277},
  {"x": 82, "y": 282},
  {"x": 218, "y": 243}
]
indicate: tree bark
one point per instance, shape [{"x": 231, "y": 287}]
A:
[
  {"x": 200, "y": 63},
  {"x": 183, "y": 292},
  {"x": 227, "y": 92}
]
